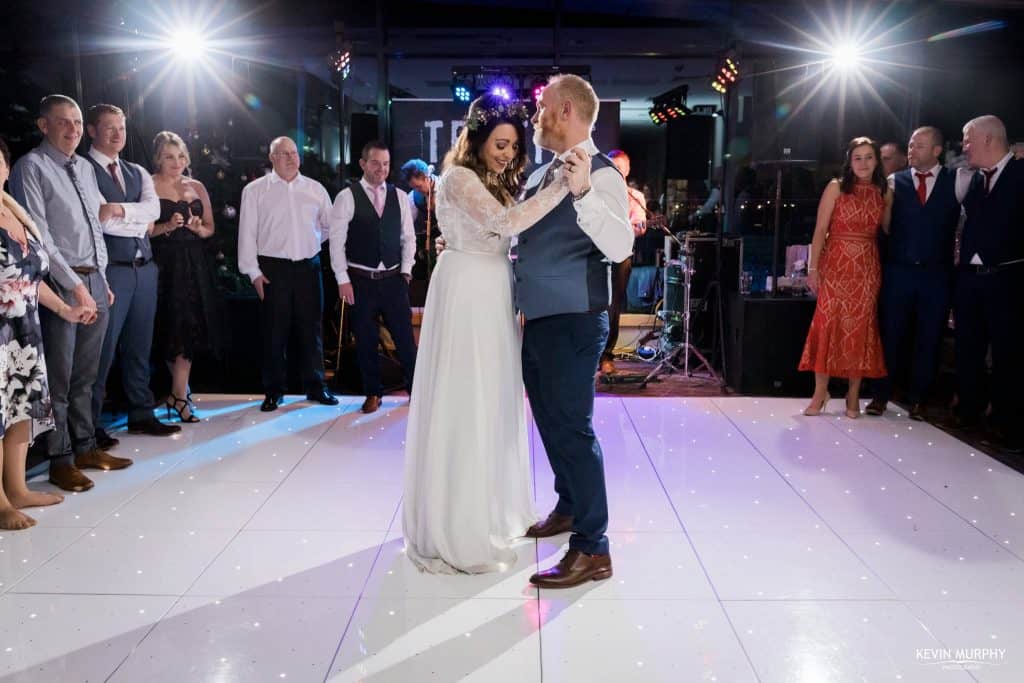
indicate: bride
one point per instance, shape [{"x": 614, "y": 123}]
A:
[{"x": 467, "y": 461}]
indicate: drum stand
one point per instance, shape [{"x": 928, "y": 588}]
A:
[{"x": 671, "y": 350}]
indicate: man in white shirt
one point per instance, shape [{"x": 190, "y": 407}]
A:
[
  {"x": 373, "y": 247},
  {"x": 132, "y": 206},
  {"x": 283, "y": 221}
]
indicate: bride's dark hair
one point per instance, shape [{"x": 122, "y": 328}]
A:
[{"x": 485, "y": 114}]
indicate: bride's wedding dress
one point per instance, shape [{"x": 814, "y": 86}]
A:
[{"x": 467, "y": 462}]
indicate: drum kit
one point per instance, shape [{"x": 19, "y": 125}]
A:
[{"x": 674, "y": 347}]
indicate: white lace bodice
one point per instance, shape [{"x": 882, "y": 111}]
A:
[{"x": 472, "y": 220}]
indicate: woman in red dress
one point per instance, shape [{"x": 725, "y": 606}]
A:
[{"x": 845, "y": 273}]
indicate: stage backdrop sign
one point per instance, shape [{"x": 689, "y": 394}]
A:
[{"x": 426, "y": 129}]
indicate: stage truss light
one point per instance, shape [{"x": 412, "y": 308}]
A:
[
  {"x": 669, "y": 106},
  {"x": 502, "y": 91},
  {"x": 727, "y": 73},
  {"x": 341, "y": 62}
]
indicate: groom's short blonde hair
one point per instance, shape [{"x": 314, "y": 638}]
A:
[{"x": 578, "y": 91}]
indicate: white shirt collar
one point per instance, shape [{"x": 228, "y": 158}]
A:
[
  {"x": 274, "y": 178},
  {"x": 934, "y": 170},
  {"x": 101, "y": 158},
  {"x": 588, "y": 146},
  {"x": 372, "y": 188},
  {"x": 1002, "y": 163}
]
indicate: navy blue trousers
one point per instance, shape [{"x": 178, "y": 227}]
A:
[
  {"x": 914, "y": 309},
  {"x": 129, "y": 337},
  {"x": 389, "y": 298},
  {"x": 560, "y": 358},
  {"x": 988, "y": 310}
]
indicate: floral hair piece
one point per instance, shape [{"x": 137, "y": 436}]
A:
[{"x": 481, "y": 117}]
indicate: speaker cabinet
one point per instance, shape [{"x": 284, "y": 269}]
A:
[{"x": 764, "y": 342}]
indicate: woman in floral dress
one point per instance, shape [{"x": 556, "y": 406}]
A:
[{"x": 24, "y": 395}]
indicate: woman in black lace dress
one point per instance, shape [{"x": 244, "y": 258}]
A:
[{"x": 188, "y": 320}]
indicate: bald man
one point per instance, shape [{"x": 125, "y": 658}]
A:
[
  {"x": 894, "y": 157},
  {"x": 990, "y": 284},
  {"x": 284, "y": 220}
]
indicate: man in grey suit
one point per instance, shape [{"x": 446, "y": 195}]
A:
[{"x": 58, "y": 188}]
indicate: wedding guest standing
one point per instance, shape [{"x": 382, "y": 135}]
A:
[
  {"x": 284, "y": 218},
  {"x": 188, "y": 318},
  {"x": 58, "y": 189},
  {"x": 131, "y": 206},
  {"x": 845, "y": 273}
]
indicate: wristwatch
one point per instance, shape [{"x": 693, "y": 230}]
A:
[{"x": 581, "y": 195}]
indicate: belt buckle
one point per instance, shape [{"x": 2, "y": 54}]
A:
[{"x": 376, "y": 275}]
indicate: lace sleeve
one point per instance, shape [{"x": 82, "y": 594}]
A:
[{"x": 464, "y": 189}]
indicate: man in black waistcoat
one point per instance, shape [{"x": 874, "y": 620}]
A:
[
  {"x": 132, "y": 205},
  {"x": 917, "y": 280},
  {"x": 990, "y": 282},
  {"x": 373, "y": 246}
]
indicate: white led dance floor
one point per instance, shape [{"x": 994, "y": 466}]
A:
[{"x": 750, "y": 543}]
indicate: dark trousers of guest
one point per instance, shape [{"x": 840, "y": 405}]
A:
[
  {"x": 560, "y": 358},
  {"x": 914, "y": 303},
  {"x": 988, "y": 310},
  {"x": 620, "y": 280},
  {"x": 129, "y": 337},
  {"x": 293, "y": 299},
  {"x": 389, "y": 298},
  {"x": 72, "y": 361}
]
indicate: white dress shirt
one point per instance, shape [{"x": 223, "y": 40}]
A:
[
  {"x": 929, "y": 182},
  {"x": 281, "y": 219},
  {"x": 137, "y": 215},
  {"x": 341, "y": 216},
  {"x": 964, "y": 176},
  {"x": 602, "y": 213}
]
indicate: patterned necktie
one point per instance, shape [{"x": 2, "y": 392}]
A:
[
  {"x": 112, "y": 167},
  {"x": 922, "y": 186},
  {"x": 94, "y": 221},
  {"x": 988, "y": 178},
  {"x": 550, "y": 174}
]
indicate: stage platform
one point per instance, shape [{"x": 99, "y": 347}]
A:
[{"x": 750, "y": 543}]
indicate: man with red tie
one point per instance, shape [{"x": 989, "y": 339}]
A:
[
  {"x": 990, "y": 282},
  {"x": 917, "y": 277}
]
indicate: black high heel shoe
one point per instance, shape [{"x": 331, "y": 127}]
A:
[{"x": 179, "y": 405}]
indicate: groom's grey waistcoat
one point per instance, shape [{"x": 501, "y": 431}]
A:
[{"x": 559, "y": 269}]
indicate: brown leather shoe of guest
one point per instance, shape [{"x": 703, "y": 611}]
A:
[
  {"x": 371, "y": 404},
  {"x": 918, "y": 413},
  {"x": 607, "y": 366},
  {"x": 576, "y": 568},
  {"x": 68, "y": 477},
  {"x": 875, "y": 408},
  {"x": 552, "y": 526},
  {"x": 100, "y": 460}
]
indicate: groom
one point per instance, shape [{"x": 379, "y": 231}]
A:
[{"x": 562, "y": 288}]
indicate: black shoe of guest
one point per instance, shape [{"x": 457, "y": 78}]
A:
[
  {"x": 1001, "y": 441},
  {"x": 151, "y": 427},
  {"x": 105, "y": 441},
  {"x": 967, "y": 425},
  {"x": 323, "y": 397},
  {"x": 918, "y": 413},
  {"x": 271, "y": 402}
]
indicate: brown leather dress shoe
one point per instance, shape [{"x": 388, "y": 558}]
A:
[
  {"x": 68, "y": 477},
  {"x": 101, "y": 460},
  {"x": 371, "y": 404},
  {"x": 917, "y": 412},
  {"x": 552, "y": 526},
  {"x": 576, "y": 568},
  {"x": 875, "y": 408}
]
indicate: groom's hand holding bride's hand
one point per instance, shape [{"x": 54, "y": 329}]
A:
[
  {"x": 439, "y": 245},
  {"x": 577, "y": 172}
]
